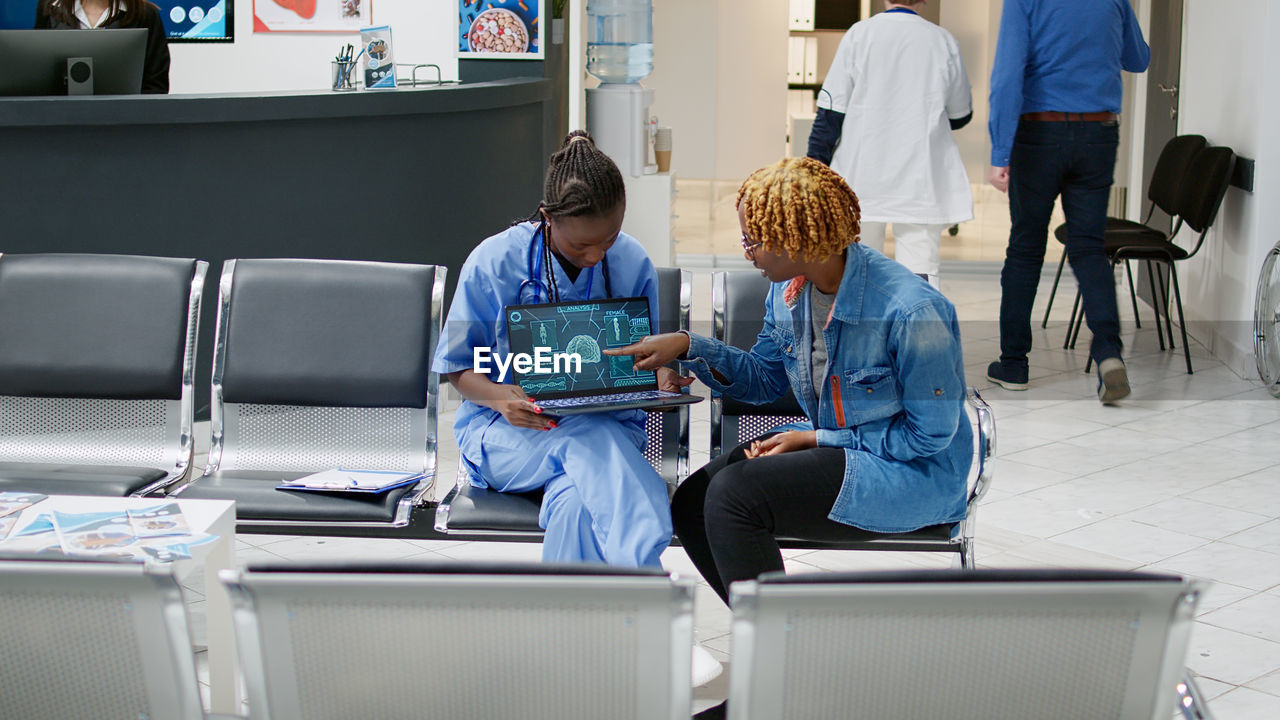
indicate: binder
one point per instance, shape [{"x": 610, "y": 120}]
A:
[
  {"x": 810, "y": 60},
  {"x": 795, "y": 60}
]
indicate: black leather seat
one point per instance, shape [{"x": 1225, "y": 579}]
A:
[
  {"x": 322, "y": 364},
  {"x": 96, "y": 361}
]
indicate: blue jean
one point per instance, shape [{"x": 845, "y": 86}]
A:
[{"x": 1077, "y": 161}]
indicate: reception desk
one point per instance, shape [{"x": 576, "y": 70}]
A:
[{"x": 410, "y": 175}]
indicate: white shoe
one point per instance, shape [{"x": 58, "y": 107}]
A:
[{"x": 705, "y": 667}]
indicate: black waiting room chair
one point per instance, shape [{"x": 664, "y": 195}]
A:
[
  {"x": 972, "y": 645},
  {"x": 322, "y": 364},
  {"x": 738, "y": 299},
  {"x": 463, "y": 640},
  {"x": 1199, "y": 197},
  {"x": 514, "y": 516},
  {"x": 1162, "y": 190},
  {"x": 97, "y": 354}
]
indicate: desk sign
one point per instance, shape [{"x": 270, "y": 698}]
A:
[{"x": 376, "y": 59}]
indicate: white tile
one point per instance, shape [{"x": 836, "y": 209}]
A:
[
  {"x": 1218, "y": 595},
  {"x": 1258, "y": 616},
  {"x": 1050, "y": 554},
  {"x": 1269, "y": 684},
  {"x": 1246, "y": 704},
  {"x": 1197, "y": 518},
  {"x": 344, "y": 548},
  {"x": 1034, "y": 517},
  {"x": 1247, "y": 568},
  {"x": 1106, "y": 494},
  {"x": 1229, "y": 656},
  {"x": 1249, "y": 492},
  {"x": 1210, "y": 688},
  {"x": 1262, "y": 537},
  {"x": 1017, "y": 477},
  {"x": 1129, "y": 540},
  {"x": 506, "y": 551},
  {"x": 860, "y": 560}
]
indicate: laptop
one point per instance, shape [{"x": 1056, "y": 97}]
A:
[{"x": 567, "y": 374}]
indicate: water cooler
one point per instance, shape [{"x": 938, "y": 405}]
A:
[{"x": 620, "y": 54}]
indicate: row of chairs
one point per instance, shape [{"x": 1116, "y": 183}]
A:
[
  {"x": 317, "y": 364},
  {"x": 570, "y": 643},
  {"x": 1188, "y": 183}
]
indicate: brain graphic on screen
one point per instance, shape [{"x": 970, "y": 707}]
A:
[{"x": 586, "y": 347}]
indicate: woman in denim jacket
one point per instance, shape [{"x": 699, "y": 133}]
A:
[{"x": 872, "y": 353}]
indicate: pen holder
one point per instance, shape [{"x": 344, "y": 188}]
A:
[{"x": 342, "y": 72}]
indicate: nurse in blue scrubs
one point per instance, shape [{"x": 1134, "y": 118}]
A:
[{"x": 603, "y": 502}]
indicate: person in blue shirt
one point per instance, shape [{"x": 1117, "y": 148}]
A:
[
  {"x": 872, "y": 355},
  {"x": 602, "y": 500},
  {"x": 1055, "y": 97}
]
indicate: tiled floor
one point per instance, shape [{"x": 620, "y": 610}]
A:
[{"x": 1184, "y": 476}]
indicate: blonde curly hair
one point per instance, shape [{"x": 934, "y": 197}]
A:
[{"x": 801, "y": 207}]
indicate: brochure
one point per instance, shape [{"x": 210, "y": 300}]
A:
[
  {"x": 352, "y": 481},
  {"x": 379, "y": 64},
  {"x": 6, "y": 524},
  {"x": 93, "y": 533},
  {"x": 158, "y": 521},
  {"x": 12, "y": 503}
]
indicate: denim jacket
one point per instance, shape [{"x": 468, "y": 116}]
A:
[{"x": 893, "y": 397}]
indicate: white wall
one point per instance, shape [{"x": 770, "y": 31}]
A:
[
  {"x": 720, "y": 83},
  {"x": 1229, "y": 88},
  {"x": 423, "y": 31}
]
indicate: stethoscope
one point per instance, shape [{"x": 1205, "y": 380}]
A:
[{"x": 538, "y": 251}]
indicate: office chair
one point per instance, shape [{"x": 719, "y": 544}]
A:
[
  {"x": 738, "y": 301},
  {"x": 1162, "y": 190},
  {"x": 463, "y": 640},
  {"x": 90, "y": 639},
  {"x": 322, "y": 364},
  {"x": 514, "y": 516},
  {"x": 973, "y": 645},
  {"x": 97, "y": 354},
  {"x": 1199, "y": 198}
]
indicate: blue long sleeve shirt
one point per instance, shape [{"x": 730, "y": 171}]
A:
[{"x": 1063, "y": 55}]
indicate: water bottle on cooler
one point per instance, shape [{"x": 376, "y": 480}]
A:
[{"x": 620, "y": 40}]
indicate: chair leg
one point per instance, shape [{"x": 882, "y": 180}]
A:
[
  {"x": 1182, "y": 323},
  {"x": 964, "y": 559},
  {"x": 1056, "y": 278},
  {"x": 1164, "y": 301},
  {"x": 1072, "y": 326},
  {"x": 1133, "y": 295},
  {"x": 1155, "y": 303}
]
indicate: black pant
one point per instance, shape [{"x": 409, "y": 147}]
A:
[
  {"x": 728, "y": 513},
  {"x": 1077, "y": 161}
]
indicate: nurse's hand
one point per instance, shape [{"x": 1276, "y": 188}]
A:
[
  {"x": 999, "y": 178},
  {"x": 518, "y": 409},
  {"x": 655, "y": 351},
  {"x": 510, "y": 400},
  {"x": 783, "y": 442}
]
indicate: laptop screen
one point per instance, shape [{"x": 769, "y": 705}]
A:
[{"x": 565, "y": 340}]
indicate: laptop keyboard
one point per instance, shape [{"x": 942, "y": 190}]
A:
[{"x": 641, "y": 396}]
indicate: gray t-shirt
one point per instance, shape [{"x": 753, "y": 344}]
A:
[{"x": 819, "y": 310}]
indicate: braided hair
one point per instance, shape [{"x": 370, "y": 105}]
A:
[
  {"x": 801, "y": 207},
  {"x": 581, "y": 180}
]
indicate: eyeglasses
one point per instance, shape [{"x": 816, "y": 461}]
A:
[{"x": 749, "y": 247}]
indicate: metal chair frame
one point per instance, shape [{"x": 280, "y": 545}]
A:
[{"x": 230, "y": 444}]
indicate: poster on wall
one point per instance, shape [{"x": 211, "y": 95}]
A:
[
  {"x": 311, "y": 15},
  {"x": 500, "y": 29}
]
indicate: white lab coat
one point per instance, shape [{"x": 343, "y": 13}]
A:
[{"x": 899, "y": 78}]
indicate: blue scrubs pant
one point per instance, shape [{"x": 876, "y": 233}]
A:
[{"x": 602, "y": 500}]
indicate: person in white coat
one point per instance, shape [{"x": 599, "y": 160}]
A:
[{"x": 896, "y": 89}]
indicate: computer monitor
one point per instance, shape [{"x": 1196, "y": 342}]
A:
[{"x": 34, "y": 62}]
